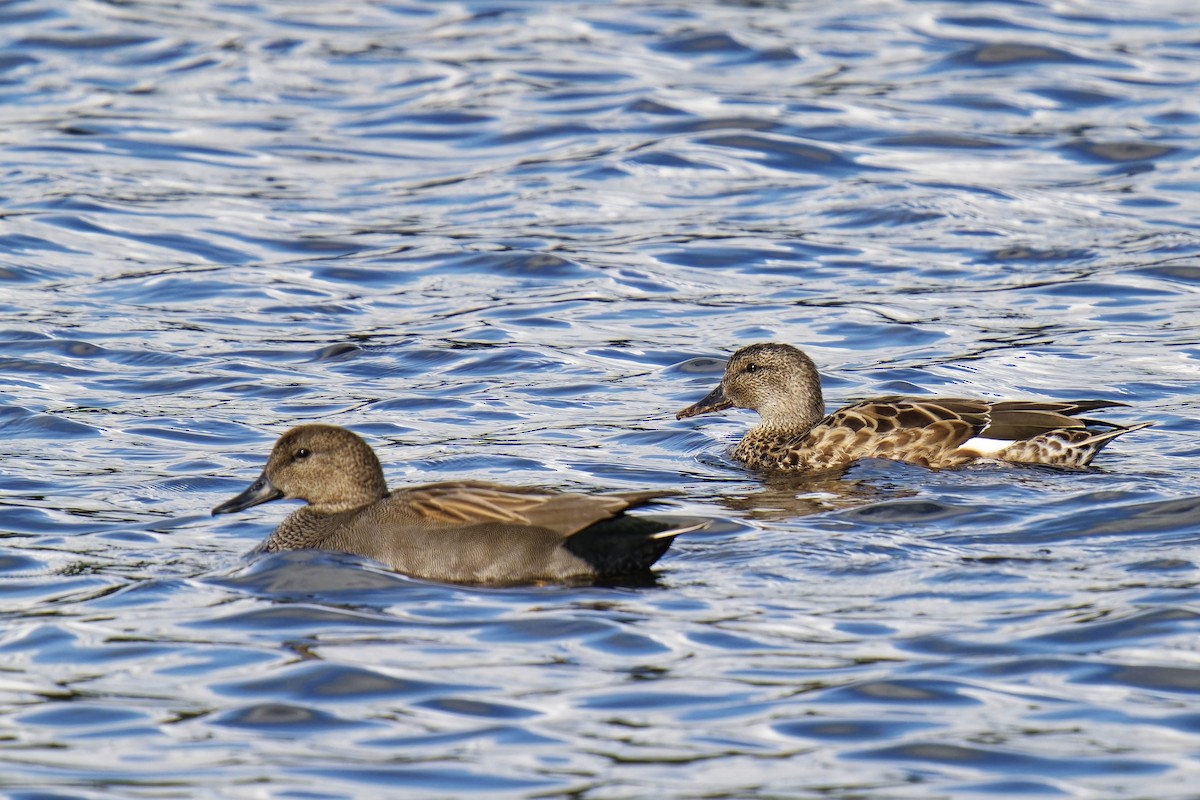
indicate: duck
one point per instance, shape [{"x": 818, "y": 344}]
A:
[
  {"x": 465, "y": 531},
  {"x": 781, "y": 383}
]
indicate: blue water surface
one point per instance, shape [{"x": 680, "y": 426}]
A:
[{"x": 508, "y": 241}]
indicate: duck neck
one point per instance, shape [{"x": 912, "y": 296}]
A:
[
  {"x": 305, "y": 528},
  {"x": 793, "y": 416},
  {"x": 362, "y": 494},
  {"x": 354, "y": 489}
]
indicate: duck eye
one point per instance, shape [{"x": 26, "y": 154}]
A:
[
  {"x": 751, "y": 368},
  {"x": 301, "y": 454}
]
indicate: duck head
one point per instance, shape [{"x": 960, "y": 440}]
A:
[
  {"x": 777, "y": 380},
  {"x": 331, "y": 468}
]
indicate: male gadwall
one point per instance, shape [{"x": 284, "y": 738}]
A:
[
  {"x": 457, "y": 531},
  {"x": 781, "y": 383}
]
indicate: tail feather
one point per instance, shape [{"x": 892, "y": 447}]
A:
[
  {"x": 1065, "y": 447},
  {"x": 671, "y": 533},
  {"x": 1097, "y": 440},
  {"x": 629, "y": 543},
  {"x": 1101, "y": 438}
]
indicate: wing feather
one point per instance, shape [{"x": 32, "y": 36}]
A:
[{"x": 458, "y": 503}]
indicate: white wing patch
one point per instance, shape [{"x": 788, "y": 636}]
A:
[{"x": 985, "y": 446}]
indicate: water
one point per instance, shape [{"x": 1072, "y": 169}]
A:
[{"x": 508, "y": 241}]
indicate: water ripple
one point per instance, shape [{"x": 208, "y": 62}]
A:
[{"x": 508, "y": 241}]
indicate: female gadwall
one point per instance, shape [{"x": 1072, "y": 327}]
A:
[
  {"x": 457, "y": 531},
  {"x": 781, "y": 383}
]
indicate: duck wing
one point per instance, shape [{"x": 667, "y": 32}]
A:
[
  {"x": 1025, "y": 419},
  {"x": 453, "y": 504},
  {"x": 883, "y": 415},
  {"x": 1011, "y": 419}
]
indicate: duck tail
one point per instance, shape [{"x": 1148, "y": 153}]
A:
[
  {"x": 690, "y": 527},
  {"x": 1096, "y": 442},
  {"x": 629, "y": 543},
  {"x": 1066, "y": 447}
]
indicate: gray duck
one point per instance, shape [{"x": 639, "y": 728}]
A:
[
  {"x": 781, "y": 383},
  {"x": 456, "y": 531}
]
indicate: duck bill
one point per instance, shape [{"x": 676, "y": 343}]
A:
[
  {"x": 713, "y": 401},
  {"x": 261, "y": 491}
]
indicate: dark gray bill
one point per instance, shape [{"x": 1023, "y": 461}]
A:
[
  {"x": 261, "y": 491},
  {"x": 713, "y": 401}
]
